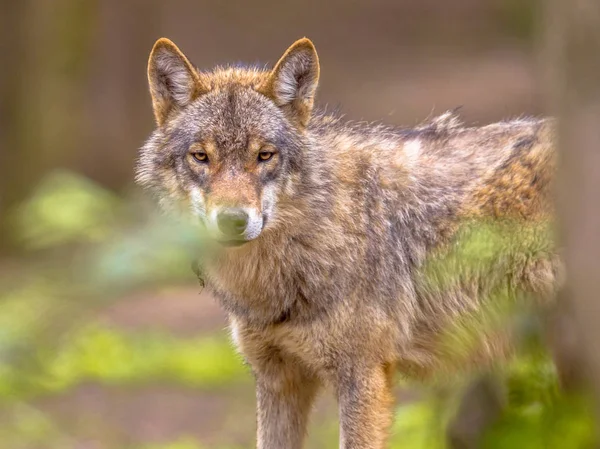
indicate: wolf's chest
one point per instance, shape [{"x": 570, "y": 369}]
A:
[{"x": 252, "y": 294}]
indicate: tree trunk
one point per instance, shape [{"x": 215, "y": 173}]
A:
[{"x": 572, "y": 38}]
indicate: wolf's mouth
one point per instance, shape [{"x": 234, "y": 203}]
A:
[{"x": 232, "y": 243}]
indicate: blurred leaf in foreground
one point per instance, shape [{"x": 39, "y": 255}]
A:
[{"x": 65, "y": 208}]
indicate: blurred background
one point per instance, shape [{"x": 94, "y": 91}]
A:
[{"x": 106, "y": 340}]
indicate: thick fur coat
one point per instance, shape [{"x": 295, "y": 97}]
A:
[{"x": 349, "y": 263}]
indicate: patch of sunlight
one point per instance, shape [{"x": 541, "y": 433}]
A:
[
  {"x": 113, "y": 357},
  {"x": 539, "y": 415},
  {"x": 567, "y": 423},
  {"x": 418, "y": 425},
  {"x": 21, "y": 310},
  {"x": 65, "y": 208},
  {"x": 182, "y": 443},
  {"x": 532, "y": 380},
  {"x": 28, "y": 427}
]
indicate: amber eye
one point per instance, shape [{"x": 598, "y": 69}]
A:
[
  {"x": 265, "y": 155},
  {"x": 200, "y": 156}
]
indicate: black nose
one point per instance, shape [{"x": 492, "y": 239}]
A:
[{"x": 232, "y": 222}]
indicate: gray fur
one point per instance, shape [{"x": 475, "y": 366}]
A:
[{"x": 334, "y": 285}]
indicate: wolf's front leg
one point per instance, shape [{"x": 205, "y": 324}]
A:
[
  {"x": 366, "y": 407},
  {"x": 285, "y": 393}
]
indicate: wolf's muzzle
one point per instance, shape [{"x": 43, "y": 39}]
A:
[{"x": 232, "y": 222}]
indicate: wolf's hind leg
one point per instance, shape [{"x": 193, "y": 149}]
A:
[{"x": 480, "y": 406}]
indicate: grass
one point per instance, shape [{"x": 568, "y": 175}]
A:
[
  {"x": 105, "y": 254},
  {"x": 113, "y": 357}
]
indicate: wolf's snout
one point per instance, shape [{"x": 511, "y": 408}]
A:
[{"x": 232, "y": 222}]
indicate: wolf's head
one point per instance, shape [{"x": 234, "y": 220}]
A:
[{"x": 227, "y": 142}]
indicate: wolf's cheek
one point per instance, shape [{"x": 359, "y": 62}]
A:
[
  {"x": 269, "y": 200},
  {"x": 197, "y": 203},
  {"x": 255, "y": 224}
]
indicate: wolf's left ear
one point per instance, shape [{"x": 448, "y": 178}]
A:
[
  {"x": 173, "y": 81},
  {"x": 293, "y": 82}
]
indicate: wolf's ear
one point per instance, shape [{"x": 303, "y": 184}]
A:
[
  {"x": 293, "y": 82},
  {"x": 173, "y": 81}
]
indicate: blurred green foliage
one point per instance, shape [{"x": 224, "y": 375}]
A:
[
  {"x": 112, "y": 357},
  {"x": 109, "y": 246},
  {"x": 66, "y": 208}
]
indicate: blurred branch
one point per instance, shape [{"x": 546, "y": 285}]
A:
[{"x": 10, "y": 46}]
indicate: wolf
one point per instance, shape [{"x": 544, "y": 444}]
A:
[{"x": 347, "y": 251}]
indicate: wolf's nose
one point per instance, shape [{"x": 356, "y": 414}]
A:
[{"x": 232, "y": 222}]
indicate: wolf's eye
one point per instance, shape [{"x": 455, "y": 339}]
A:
[
  {"x": 265, "y": 155},
  {"x": 200, "y": 156}
]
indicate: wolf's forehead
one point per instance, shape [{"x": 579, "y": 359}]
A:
[{"x": 231, "y": 116}]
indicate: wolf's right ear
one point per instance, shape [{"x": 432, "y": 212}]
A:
[{"x": 173, "y": 81}]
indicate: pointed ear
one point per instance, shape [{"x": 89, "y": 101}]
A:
[
  {"x": 173, "y": 81},
  {"x": 292, "y": 84}
]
